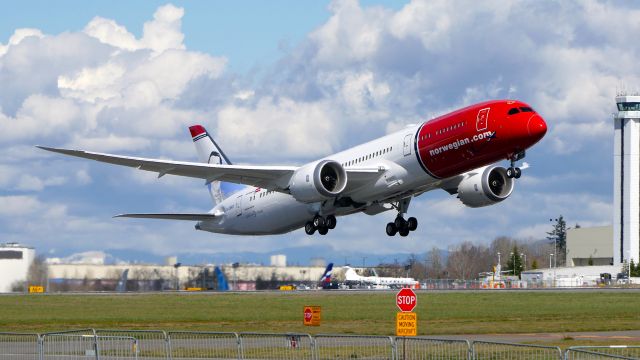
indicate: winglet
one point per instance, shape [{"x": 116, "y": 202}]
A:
[{"x": 196, "y": 130}]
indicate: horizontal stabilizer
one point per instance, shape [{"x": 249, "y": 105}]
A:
[{"x": 187, "y": 217}]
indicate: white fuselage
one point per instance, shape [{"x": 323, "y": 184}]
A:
[{"x": 259, "y": 211}]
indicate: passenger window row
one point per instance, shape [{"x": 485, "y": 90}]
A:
[
  {"x": 443, "y": 130},
  {"x": 368, "y": 157}
]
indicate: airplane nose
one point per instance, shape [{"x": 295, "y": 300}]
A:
[{"x": 537, "y": 127}]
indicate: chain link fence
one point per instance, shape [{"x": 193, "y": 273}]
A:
[{"x": 177, "y": 345}]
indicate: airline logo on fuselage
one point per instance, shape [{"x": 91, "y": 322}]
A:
[{"x": 482, "y": 120}]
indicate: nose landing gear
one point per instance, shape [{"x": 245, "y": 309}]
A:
[
  {"x": 514, "y": 172},
  {"x": 322, "y": 224}
]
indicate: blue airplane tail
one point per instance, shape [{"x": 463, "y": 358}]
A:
[
  {"x": 223, "y": 285},
  {"x": 325, "y": 280}
]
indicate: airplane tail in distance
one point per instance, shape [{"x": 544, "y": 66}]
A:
[
  {"x": 326, "y": 277},
  {"x": 209, "y": 152}
]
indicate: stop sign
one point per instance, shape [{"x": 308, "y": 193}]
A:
[
  {"x": 406, "y": 300},
  {"x": 308, "y": 314}
]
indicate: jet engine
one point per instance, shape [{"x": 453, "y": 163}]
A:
[
  {"x": 485, "y": 187},
  {"x": 318, "y": 181}
]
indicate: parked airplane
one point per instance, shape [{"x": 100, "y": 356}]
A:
[
  {"x": 326, "y": 281},
  {"x": 453, "y": 152},
  {"x": 352, "y": 278}
]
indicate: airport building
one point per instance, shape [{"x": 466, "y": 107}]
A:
[
  {"x": 590, "y": 246},
  {"x": 626, "y": 180},
  {"x": 15, "y": 260}
]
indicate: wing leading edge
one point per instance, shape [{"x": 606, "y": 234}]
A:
[
  {"x": 186, "y": 217},
  {"x": 270, "y": 177}
]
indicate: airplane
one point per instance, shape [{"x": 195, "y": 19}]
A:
[
  {"x": 325, "y": 279},
  {"x": 351, "y": 278},
  {"x": 455, "y": 152}
]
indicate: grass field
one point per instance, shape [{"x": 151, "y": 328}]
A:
[{"x": 342, "y": 312}]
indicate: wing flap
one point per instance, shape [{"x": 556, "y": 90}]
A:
[{"x": 186, "y": 217}]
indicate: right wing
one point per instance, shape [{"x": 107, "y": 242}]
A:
[
  {"x": 187, "y": 217},
  {"x": 269, "y": 177}
]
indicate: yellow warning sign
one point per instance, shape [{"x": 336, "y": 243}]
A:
[
  {"x": 312, "y": 315},
  {"x": 36, "y": 289},
  {"x": 406, "y": 324}
]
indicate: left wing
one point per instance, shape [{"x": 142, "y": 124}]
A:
[
  {"x": 269, "y": 177},
  {"x": 186, "y": 217}
]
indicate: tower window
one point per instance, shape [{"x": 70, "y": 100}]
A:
[{"x": 629, "y": 106}]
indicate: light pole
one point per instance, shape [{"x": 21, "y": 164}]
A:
[
  {"x": 555, "y": 247},
  {"x": 525, "y": 261},
  {"x": 550, "y": 256}
]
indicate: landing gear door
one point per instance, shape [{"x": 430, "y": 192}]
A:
[
  {"x": 407, "y": 145},
  {"x": 239, "y": 205}
]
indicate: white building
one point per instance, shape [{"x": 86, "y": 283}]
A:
[
  {"x": 626, "y": 179},
  {"x": 590, "y": 245},
  {"x": 15, "y": 261}
]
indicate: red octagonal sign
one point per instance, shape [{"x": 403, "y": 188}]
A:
[{"x": 406, "y": 300}]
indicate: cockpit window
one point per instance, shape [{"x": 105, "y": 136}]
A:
[
  {"x": 513, "y": 111},
  {"x": 526, "y": 109}
]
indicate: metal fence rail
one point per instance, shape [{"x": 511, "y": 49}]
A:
[
  {"x": 498, "y": 350},
  {"x": 329, "y": 347},
  {"x": 17, "y": 346},
  {"x": 182, "y": 345},
  {"x": 203, "y": 345},
  {"x": 150, "y": 343},
  {"x": 276, "y": 346},
  {"x": 116, "y": 347},
  {"x": 422, "y": 348},
  {"x": 69, "y": 346},
  {"x": 602, "y": 352}
]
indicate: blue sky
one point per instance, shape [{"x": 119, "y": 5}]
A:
[{"x": 286, "y": 82}]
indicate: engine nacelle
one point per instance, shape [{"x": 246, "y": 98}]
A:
[
  {"x": 487, "y": 187},
  {"x": 318, "y": 181}
]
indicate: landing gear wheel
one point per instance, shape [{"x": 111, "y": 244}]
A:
[
  {"x": 517, "y": 173},
  {"x": 412, "y": 223},
  {"x": 511, "y": 172},
  {"x": 399, "y": 222},
  {"x": 391, "y": 229},
  {"x": 404, "y": 232},
  {"x": 323, "y": 230},
  {"x": 318, "y": 221},
  {"x": 309, "y": 228},
  {"x": 331, "y": 222}
]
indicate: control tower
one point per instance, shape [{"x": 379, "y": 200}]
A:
[{"x": 626, "y": 179}]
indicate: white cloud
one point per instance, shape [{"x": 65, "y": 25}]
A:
[
  {"x": 162, "y": 33},
  {"x": 278, "y": 126},
  {"x": 18, "y": 36}
]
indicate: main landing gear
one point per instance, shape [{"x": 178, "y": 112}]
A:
[
  {"x": 514, "y": 172},
  {"x": 320, "y": 223},
  {"x": 400, "y": 225}
]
